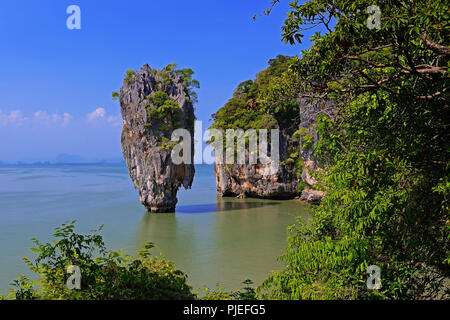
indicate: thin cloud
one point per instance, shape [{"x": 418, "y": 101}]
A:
[
  {"x": 115, "y": 121},
  {"x": 51, "y": 119},
  {"x": 97, "y": 114},
  {"x": 16, "y": 118}
]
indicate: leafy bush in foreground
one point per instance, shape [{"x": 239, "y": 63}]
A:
[
  {"x": 247, "y": 293},
  {"x": 110, "y": 275}
]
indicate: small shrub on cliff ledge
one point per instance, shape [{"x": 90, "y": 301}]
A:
[
  {"x": 161, "y": 110},
  {"x": 247, "y": 108},
  {"x": 129, "y": 75},
  {"x": 111, "y": 275}
]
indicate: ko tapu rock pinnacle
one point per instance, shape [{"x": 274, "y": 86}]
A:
[{"x": 153, "y": 103}]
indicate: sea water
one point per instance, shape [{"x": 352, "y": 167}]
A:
[{"x": 213, "y": 240}]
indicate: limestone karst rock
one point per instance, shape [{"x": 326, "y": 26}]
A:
[
  {"x": 256, "y": 180},
  {"x": 309, "y": 110},
  {"x": 153, "y": 103},
  {"x": 250, "y": 180}
]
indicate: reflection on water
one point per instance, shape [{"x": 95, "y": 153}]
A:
[
  {"x": 234, "y": 204},
  {"x": 227, "y": 242},
  {"x": 222, "y": 205}
]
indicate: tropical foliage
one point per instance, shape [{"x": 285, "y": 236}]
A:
[
  {"x": 250, "y": 109},
  {"x": 104, "y": 274},
  {"x": 107, "y": 275},
  {"x": 386, "y": 153}
]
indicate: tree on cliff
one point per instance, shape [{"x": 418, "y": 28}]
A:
[
  {"x": 247, "y": 108},
  {"x": 386, "y": 152}
]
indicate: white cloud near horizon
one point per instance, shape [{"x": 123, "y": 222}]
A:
[
  {"x": 16, "y": 117},
  {"x": 49, "y": 119},
  {"x": 39, "y": 135},
  {"x": 99, "y": 114},
  {"x": 42, "y": 117}
]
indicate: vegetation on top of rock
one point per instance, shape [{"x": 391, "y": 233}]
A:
[
  {"x": 162, "y": 110},
  {"x": 170, "y": 72},
  {"x": 160, "y": 107},
  {"x": 248, "y": 110},
  {"x": 129, "y": 75},
  {"x": 258, "y": 104},
  {"x": 115, "y": 95}
]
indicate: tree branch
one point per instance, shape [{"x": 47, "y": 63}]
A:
[{"x": 435, "y": 47}]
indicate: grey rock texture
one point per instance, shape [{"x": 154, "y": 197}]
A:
[
  {"x": 308, "y": 114},
  {"x": 255, "y": 180},
  {"x": 155, "y": 177},
  {"x": 312, "y": 196},
  {"x": 251, "y": 181}
]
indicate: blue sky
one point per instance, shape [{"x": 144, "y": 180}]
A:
[{"x": 56, "y": 84}]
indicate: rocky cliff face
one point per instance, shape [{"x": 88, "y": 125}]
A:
[
  {"x": 154, "y": 103},
  {"x": 308, "y": 114},
  {"x": 255, "y": 180},
  {"x": 245, "y": 180}
]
